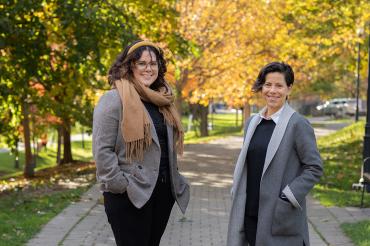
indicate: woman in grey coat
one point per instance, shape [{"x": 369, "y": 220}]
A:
[
  {"x": 137, "y": 134},
  {"x": 278, "y": 165}
]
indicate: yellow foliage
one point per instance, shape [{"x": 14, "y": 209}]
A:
[{"x": 234, "y": 39}]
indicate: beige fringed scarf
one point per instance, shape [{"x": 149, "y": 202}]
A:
[{"x": 135, "y": 119}]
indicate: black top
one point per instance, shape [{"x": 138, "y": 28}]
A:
[
  {"x": 255, "y": 160},
  {"x": 161, "y": 129}
]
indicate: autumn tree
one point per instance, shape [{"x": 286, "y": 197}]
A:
[
  {"x": 24, "y": 53},
  {"x": 65, "y": 47},
  {"x": 328, "y": 32},
  {"x": 232, "y": 40},
  {"x": 86, "y": 36}
]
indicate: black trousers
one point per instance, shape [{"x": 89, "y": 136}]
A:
[{"x": 140, "y": 227}]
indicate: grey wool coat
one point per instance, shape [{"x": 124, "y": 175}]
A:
[
  {"x": 115, "y": 173},
  {"x": 292, "y": 166}
]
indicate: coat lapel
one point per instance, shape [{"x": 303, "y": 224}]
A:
[
  {"x": 243, "y": 153},
  {"x": 277, "y": 135}
]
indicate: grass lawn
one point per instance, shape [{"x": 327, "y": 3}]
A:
[
  {"x": 46, "y": 158},
  {"x": 27, "y": 204},
  {"x": 223, "y": 125},
  {"x": 358, "y": 232},
  {"x": 22, "y": 216},
  {"x": 342, "y": 156}
]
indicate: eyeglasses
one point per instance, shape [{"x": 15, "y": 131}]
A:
[{"x": 143, "y": 65}]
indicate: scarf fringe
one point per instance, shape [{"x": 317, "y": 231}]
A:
[
  {"x": 135, "y": 149},
  {"x": 180, "y": 143}
]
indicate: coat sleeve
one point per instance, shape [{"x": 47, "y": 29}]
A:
[
  {"x": 310, "y": 160},
  {"x": 105, "y": 129}
]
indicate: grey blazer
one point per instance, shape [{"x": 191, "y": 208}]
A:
[
  {"x": 138, "y": 178},
  {"x": 292, "y": 166}
]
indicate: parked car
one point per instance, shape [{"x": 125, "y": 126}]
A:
[
  {"x": 350, "y": 107},
  {"x": 339, "y": 107}
]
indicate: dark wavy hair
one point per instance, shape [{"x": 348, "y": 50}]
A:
[
  {"x": 122, "y": 67},
  {"x": 272, "y": 67}
]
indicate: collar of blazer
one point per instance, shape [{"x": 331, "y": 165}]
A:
[{"x": 275, "y": 141}]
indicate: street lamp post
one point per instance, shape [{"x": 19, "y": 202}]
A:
[
  {"x": 358, "y": 80},
  {"x": 366, "y": 151},
  {"x": 360, "y": 31}
]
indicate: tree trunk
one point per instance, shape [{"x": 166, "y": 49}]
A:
[
  {"x": 35, "y": 147},
  {"x": 203, "y": 110},
  {"x": 246, "y": 112},
  {"x": 16, "y": 155},
  {"x": 178, "y": 104},
  {"x": 178, "y": 99},
  {"x": 59, "y": 144},
  {"x": 29, "y": 168},
  {"x": 179, "y": 86},
  {"x": 243, "y": 117},
  {"x": 67, "y": 148}
]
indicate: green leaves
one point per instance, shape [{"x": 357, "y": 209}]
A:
[
  {"x": 55, "y": 54},
  {"x": 327, "y": 31}
]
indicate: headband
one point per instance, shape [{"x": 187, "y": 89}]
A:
[{"x": 140, "y": 44}]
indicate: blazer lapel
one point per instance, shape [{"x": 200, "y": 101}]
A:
[
  {"x": 277, "y": 135},
  {"x": 243, "y": 153}
]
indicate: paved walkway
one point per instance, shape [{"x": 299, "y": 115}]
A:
[{"x": 209, "y": 168}]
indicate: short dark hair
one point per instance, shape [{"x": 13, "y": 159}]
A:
[
  {"x": 122, "y": 67},
  {"x": 272, "y": 67}
]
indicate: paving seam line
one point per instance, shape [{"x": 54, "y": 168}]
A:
[
  {"x": 334, "y": 216},
  {"x": 78, "y": 222},
  {"x": 340, "y": 223},
  {"x": 317, "y": 231}
]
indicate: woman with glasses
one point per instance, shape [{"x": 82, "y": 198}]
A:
[
  {"x": 137, "y": 134},
  {"x": 278, "y": 165}
]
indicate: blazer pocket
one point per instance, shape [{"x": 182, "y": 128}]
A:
[
  {"x": 117, "y": 185},
  {"x": 138, "y": 175},
  {"x": 287, "y": 220}
]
